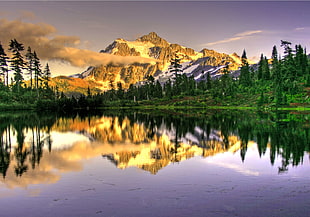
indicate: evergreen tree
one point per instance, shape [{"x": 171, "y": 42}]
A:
[
  {"x": 260, "y": 67},
  {"x": 17, "y": 62},
  {"x": 288, "y": 51},
  {"x": 301, "y": 60},
  {"x": 266, "y": 70},
  {"x": 175, "y": 67},
  {"x": 46, "y": 75},
  {"x": 168, "y": 89},
  {"x": 131, "y": 93},
  {"x": 245, "y": 79},
  {"x": 30, "y": 64},
  {"x": 36, "y": 69},
  {"x": 275, "y": 68},
  {"x": 4, "y": 71},
  {"x": 289, "y": 66},
  {"x": 88, "y": 92},
  {"x": 274, "y": 55},
  {"x": 158, "y": 90},
  {"x": 209, "y": 81},
  {"x": 120, "y": 91}
]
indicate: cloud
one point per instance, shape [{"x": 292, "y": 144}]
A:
[
  {"x": 236, "y": 37},
  {"x": 224, "y": 41},
  {"x": 248, "y": 33},
  {"x": 300, "y": 28},
  {"x": 81, "y": 58},
  {"x": 237, "y": 167},
  {"x": 49, "y": 45}
]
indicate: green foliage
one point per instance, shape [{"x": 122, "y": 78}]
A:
[
  {"x": 175, "y": 67},
  {"x": 4, "y": 66},
  {"x": 276, "y": 83},
  {"x": 46, "y": 77},
  {"x": 17, "y": 61}
]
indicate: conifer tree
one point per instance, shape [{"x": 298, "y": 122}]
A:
[
  {"x": 88, "y": 92},
  {"x": 289, "y": 67},
  {"x": 260, "y": 67},
  {"x": 275, "y": 69},
  {"x": 209, "y": 81},
  {"x": 168, "y": 89},
  {"x": 301, "y": 61},
  {"x": 30, "y": 64},
  {"x": 158, "y": 90},
  {"x": 17, "y": 61},
  {"x": 46, "y": 75},
  {"x": 4, "y": 71},
  {"x": 266, "y": 70},
  {"x": 245, "y": 71},
  {"x": 36, "y": 69},
  {"x": 175, "y": 67},
  {"x": 120, "y": 91}
]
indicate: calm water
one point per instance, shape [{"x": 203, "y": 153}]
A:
[{"x": 161, "y": 163}]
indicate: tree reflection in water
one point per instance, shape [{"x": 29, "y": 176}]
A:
[{"x": 285, "y": 134}]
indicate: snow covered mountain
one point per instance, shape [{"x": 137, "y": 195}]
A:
[{"x": 194, "y": 63}]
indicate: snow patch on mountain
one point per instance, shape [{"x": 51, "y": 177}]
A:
[
  {"x": 190, "y": 68},
  {"x": 86, "y": 73},
  {"x": 198, "y": 137},
  {"x": 141, "y": 47}
]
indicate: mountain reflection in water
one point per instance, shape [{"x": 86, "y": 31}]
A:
[{"x": 38, "y": 149}]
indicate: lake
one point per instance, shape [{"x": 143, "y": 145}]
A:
[{"x": 155, "y": 163}]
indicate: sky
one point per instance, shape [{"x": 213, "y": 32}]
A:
[{"x": 69, "y": 34}]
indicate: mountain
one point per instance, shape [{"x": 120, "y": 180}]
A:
[
  {"x": 127, "y": 143},
  {"x": 194, "y": 63}
]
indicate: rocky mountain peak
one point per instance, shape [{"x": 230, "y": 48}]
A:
[
  {"x": 196, "y": 64},
  {"x": 154, "y": 38},
  {"x": 235, "y": 55}
]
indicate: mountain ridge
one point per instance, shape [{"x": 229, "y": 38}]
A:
[
  {"x": 197, "y": 64},
  {"x": 153, "y": 46}
]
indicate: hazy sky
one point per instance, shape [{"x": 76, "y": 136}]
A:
[{"x": 225, "y": 26}]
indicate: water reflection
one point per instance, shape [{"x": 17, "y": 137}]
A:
[{"x": 38, "y": 148}]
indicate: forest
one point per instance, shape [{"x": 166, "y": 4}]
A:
[{"x": 271, "y": 83}]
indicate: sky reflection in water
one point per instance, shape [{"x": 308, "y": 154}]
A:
[{"x": 135, "y": 165}]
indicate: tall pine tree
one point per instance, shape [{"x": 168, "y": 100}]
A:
[
  {"x": 46, "y": 75},
  {"x": 266, "y": 70},
  {"x": 260, "y": 67},
  {"x": 37, "y": 70},
  {"x": 176, "y": 66},
  {"x": 30, "y": 64},
  {"x": 17, "y": 61},
  {"x": 245, "y": 78},
  {"x": 4, "y": 71},
  {"x": 275, "y": 65}
]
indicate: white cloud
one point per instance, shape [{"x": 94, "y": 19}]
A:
[
  {"x": 248, "y": 33},
  {"x": 43, "y": 38},
  {"x": 236, "y": 37},
  {"x": 300, "y": 28},
  {"x": 224, "y": 41}
]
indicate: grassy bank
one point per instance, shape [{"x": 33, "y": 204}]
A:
[
  {"x": 16, "y": 106},
  {"x": 239, "y": 102}
]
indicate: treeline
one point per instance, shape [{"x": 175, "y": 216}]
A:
[
  {"x": 283, "y": 136},
  {"x": 276, "y": 82},
  {"x": 23, "y": 65}
]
